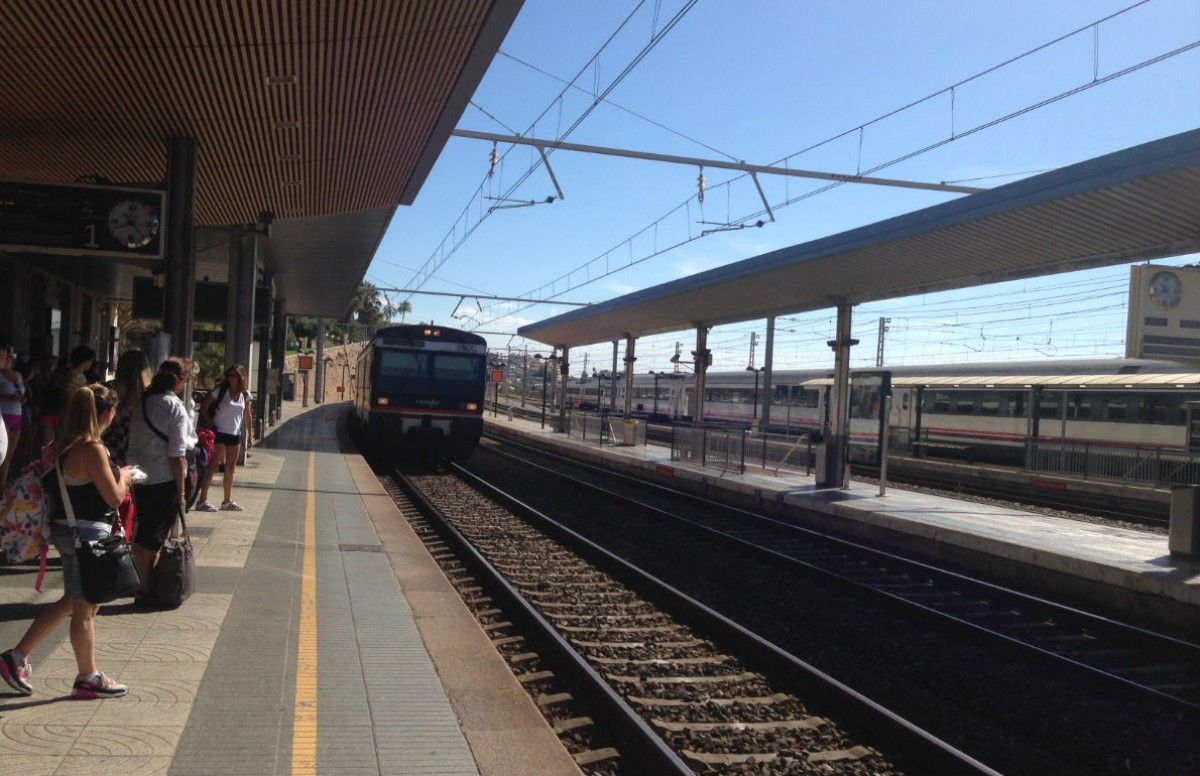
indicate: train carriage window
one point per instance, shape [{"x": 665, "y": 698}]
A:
[
  {"x": 989, "y": 404},
  {"x": 965, "y": 402},
  {"x": 1050, "y": 406},
  {"x": 936, "y": 402},
  {"x": 1163, "y": 408},
  {"x": 1081, "y": 406},
  {"x": 1016, "y": 404},
  {"x": 1119, "y": 407}
]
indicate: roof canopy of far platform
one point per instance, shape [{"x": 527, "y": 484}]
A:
[
  {"x": 327, "y": 114},
  {"x": 1138, "y": 203}
]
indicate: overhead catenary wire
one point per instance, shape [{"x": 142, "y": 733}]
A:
[{"x": 551, "y": 288}]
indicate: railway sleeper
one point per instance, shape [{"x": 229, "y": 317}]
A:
[
  {"x": 756, "y": 700},
  {"x": 739, "y": 678},
  {"x": 595, "y": 756},
  {"x": 807, "y": 723}
]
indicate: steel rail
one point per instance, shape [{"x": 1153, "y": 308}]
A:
[
  {"x": 637, "y": 741},
  {"x": 811, "y": 684},
  {"x": 1191, "y": 651}
]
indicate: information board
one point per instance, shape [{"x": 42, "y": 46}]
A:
[
  {"x": 497, "y": 375},
  {"x": 210, "y": 302},
  {"x": 867, "y": 391},
  {"x": 305, "y": 362},
  {"x": 81, "y": 220}
]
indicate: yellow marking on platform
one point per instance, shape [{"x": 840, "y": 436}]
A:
[{"x": 304, "y": 720}]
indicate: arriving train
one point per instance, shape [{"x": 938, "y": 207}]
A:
[
  {"x": 980, "y": 412},
  {"x": 420, "y": 392}
]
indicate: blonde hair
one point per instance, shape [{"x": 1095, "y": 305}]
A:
[{"x": 81, "y": 423}]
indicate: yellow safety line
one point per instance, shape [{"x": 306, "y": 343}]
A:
[{"x": 304, "y": 721}]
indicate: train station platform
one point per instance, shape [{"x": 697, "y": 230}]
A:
[
  {"x": 322, "y": 639},
  {"x": 1104, "y": 568}
]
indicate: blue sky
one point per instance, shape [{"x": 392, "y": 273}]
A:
[{"x": 759, "y": 81}]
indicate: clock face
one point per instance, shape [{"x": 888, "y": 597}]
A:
[
  {"x": 133, "y": 223},
  {"x": 1166, "y": 290}
]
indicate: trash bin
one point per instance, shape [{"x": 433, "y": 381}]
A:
[
  {"x": 629, "y": 437},
  {"x": 289, "y": 386},
  {"x": 1183, "y": 538},
  {"x": 822, "y": 462}
]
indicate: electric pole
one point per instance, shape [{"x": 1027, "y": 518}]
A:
[
  {"x": 753, "y": 343},
  {"x": 883, "y": 330}
]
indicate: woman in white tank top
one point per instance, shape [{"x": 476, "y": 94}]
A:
[{"x": 227, "y": 410}]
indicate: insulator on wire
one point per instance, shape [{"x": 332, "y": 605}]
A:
[
  {"x": 493, "y": 160},
  {"x": 700, "y": 186}
]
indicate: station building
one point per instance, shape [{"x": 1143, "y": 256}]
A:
[{"x": 214, "y": 164}]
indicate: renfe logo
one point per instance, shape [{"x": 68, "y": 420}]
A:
[{"x": 497, "y": 375}]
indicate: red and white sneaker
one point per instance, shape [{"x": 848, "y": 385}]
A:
[
  {"x": 15, "y": 674},
  {"x": 97, "y": 686}
]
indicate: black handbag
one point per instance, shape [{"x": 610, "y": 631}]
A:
[
  {"x": 106, "y": 570},
  {"x": 174, "y": 576}
]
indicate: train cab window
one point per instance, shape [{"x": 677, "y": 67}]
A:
[
  {"x": 1050, "y": 406},
  {"x": 464, "y": 369},
  {"x": 402, "y": 364}
]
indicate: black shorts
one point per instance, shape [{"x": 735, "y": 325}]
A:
[
  {"x": 228, "y": 439},
  {"x": 157, "y": 507}
]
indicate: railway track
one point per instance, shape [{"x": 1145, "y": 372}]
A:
[
  {"x": 1151, "y": 517},
  {"x": 1131, "y": 660},
  {"x": 681, "y": 688}
]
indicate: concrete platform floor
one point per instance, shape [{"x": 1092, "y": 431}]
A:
[{"x": 322, "y": 639}]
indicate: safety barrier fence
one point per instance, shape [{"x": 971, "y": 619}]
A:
[
  {"x": 1132, "y": 465},
  {"x": 605, "y": 428}
]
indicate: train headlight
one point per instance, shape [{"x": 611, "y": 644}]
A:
[
  {"x": 472, "y": 406},
  {"x": 382, "y": 400}
]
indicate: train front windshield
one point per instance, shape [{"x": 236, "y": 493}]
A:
[{"x": 421, "y": 378}]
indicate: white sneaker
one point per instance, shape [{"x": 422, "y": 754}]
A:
[
  {"x": 205, "y": 506},
  {"x": 231, "y": 506}
]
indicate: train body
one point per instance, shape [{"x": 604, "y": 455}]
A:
[
  {"x": 981, "y": 412},
  {"x": 420, "y": 392}
]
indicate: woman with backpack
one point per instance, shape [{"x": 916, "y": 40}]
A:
[
  {"x": 227, "y": 409},
  {"x": 95, "y": 486}
]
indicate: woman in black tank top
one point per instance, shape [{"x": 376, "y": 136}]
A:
[{"x": 95, "y": 488}]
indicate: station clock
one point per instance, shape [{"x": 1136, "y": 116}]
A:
[{"x": 1166, "y": 290}]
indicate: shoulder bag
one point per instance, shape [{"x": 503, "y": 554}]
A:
[
  {"x": 106, "y": 569},
  {"x": 174, "y": 576}
]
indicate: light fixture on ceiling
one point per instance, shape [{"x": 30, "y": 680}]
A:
[
  {"x": 291, "y": 124},
  {"x": 281, "y": 80}
]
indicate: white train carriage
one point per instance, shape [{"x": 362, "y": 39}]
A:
[{"x": 980, "y": 412}]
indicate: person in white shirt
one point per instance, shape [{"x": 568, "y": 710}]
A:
[{"x": 227, "y": 410}]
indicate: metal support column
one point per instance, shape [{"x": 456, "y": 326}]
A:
[
  {"x": 701, "y": 357},
  {"x": 836, "y": 446},
  {"x": 239, "y": 319},
  {"x": 278, "y": 353},
  {"x": 630, "y": 341},
  {"x": 564, "y": 370},
  {"x": 261, "y": 403},
  {"x": 768, "y": 368},
  {"x": 180, "y": 267},
  {"x": 319, "y": 365},
  {"x": 612, "y": 398}
]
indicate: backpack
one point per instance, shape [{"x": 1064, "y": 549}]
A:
[{"x": 24, "y": 520}]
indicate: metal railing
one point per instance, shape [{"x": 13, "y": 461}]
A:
[
  {"x": 1133, "y": 465},
  {"x": 780, "y": 452},
  {"x": 720, "y": 447},
  {"x": 603, "y": 428}
]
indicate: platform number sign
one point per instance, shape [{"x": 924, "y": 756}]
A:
[
  {"x": 81, "y": 220},
  {"x": 497, "y": 375}
]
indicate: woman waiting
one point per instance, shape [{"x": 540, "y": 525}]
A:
[
  {"x": 133, "y": 377},
  {"x": 95, "y": 486},
  {"x": 159, "y": 437},
  {"x": 228, "y": 407},
  {"x": 12, "y": 400}
]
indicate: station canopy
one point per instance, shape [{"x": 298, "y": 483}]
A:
[
  {"x": 328, "y": 114},
  {"x": 1139, "y": 203}
]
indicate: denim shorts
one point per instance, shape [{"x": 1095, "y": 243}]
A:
[{"x": 64, "y": 542}]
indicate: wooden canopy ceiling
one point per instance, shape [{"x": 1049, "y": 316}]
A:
[{"x": 305, "y": 108}]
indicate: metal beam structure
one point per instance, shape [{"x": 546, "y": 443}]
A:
[
  {"x": 695, "y": 161},
  {"x": 488, "y": 297}
]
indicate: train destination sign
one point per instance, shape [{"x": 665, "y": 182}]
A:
[{"x": 81, "y": 220}]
